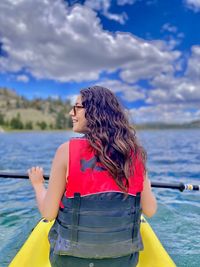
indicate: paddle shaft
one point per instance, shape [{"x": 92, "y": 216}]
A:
[
  {"x": 18, "y": 175},
  {"x": 179, "y": 186}
]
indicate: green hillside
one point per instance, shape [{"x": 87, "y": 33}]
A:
[
  {"x": 17, "y": 112},
  {"x": 164, "y": 126}
]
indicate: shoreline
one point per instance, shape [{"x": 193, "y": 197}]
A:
[
  {"x": 2, "y": 130},
  {"x": 35, "y": 130},
  {"x": 137, "y": 128}
]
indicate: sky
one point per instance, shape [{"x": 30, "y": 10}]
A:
[{"x": 145, "y": 51}]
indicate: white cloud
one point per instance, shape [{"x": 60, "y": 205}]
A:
[
  {"x": 193, "y": 70},
  {"x": 103, "y": 6},
  {"x": 125, "y": 2},
  {"x": 22, "y": 78},
  {"x": 193, "y": 4},
  {"x": 72, "y": 98},
  {"x": 171, "y": 35},
  {"x": 181, "y": 89},
  {"x": 129, "y": 93},
  {"x": 180, "y": 92},
  {"x": 170, "y": 28},
  {"x": 174, "y": 113},
  {"x": 52, "y": 41},
  {"x": 148, "y": 60}
]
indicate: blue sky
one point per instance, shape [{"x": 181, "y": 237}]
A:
[{"x": 146, "y": 51}]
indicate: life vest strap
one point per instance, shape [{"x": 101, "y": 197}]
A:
[
  {"x": 75, "y": 217},
  {"x": 136, "y": 217}
]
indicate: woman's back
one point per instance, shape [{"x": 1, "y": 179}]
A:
[
  {"x": 98, "y": 207},
  {"x": 96, "y": 218}
]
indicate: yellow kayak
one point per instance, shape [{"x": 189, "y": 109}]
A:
[{"x": 35, "y": 251}]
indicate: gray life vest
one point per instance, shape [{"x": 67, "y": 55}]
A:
[{"x": 103, "y": 225}]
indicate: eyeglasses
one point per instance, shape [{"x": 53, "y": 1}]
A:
[{"x": 76, "y": 107}]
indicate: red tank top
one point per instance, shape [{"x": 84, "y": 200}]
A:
[{"x": 88, "y": 176}]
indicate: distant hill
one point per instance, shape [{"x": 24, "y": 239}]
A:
[
  {"x": 17, "y": 112},
  {"x": 195, "y": 124},
  {"x": 188, "y": 125}
]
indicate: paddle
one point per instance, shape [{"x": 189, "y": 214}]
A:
[{"x": 179, "y": 186}]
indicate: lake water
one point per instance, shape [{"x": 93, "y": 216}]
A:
[{"x": 173, "y": 156}]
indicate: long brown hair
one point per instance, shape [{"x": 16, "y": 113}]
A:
[{"x": 111, "y": 135}]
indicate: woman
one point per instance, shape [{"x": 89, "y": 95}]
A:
[{"x": 97, "y": 189}]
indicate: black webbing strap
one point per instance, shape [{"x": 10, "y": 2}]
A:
[
  {"x": 75, "y": 216},
  {"x": 136, "y": 217}
]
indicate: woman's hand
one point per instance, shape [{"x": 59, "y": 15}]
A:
[
  {"x": 36, "y": 176},
  {"x": 148, "y": 200}
]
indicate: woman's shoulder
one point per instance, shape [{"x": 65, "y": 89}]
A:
[
  {"x": 72, "y": 142},
  {"x": 63, "y": 147}
]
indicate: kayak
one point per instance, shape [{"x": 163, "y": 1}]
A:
[{"x": 35, "y": 251}]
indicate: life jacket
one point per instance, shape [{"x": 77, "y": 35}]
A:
[{"x": 96, "y": 219}]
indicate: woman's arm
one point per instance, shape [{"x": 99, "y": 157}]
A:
[
  {"x": 148, "y": 200},
  {"x": 48, "y": 199}
]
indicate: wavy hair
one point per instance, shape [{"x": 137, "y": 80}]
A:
[{"x": 110, "y": 134}]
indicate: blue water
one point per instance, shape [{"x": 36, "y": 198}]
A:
[{"x": 173, "y": 156}]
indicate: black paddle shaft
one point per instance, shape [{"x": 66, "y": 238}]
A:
[
  {"x": 18, "y": 175},
  {"x": 179, "y": 186}
]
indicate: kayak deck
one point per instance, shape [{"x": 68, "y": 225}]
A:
[{"x": 35, "y": 251}]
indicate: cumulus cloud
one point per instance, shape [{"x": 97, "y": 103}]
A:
[
  {"x": 164, "y": 113},
  {"x": 22, "y": 78},
  {"x": 103, "y": 6},
  {"x": 50, "y": 40},
  {"x": 125, "y": 2},
  {"x": 148, "y": 60},
  {"x": 193, "y": 4},
  {"x": 53, "y": 41},
  {"x": 128, "y": 92},
  {"x": 193, "y": 70},
  {"x": 172, "y": 35},
  {"x": 181, "y": 89},
  {"x": 72, "y": 98},
  {"x": 170, "y": 28}
]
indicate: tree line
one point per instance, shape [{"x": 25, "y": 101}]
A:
[
  {"x": 12, "y": 103},
  {"x": 61, "y": 122}
]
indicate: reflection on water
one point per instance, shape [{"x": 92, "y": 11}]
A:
[{"x": 173, "y": 156}]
